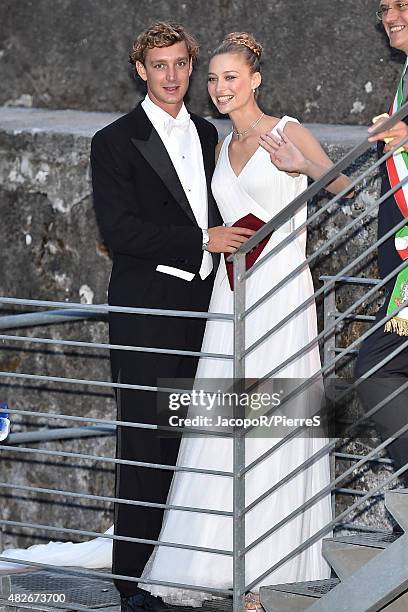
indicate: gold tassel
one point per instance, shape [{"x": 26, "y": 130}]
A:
[{"x": 398, "y": 326}]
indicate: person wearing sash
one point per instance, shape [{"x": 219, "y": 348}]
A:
[{"x": 390, "y": 341}]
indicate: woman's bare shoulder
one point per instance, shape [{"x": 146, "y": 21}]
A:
[
  {"x": 269, "y": 122},
  {"x": 298, "y": 132}
]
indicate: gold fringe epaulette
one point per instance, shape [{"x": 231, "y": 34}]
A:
[{"x": 398, "y": 326}]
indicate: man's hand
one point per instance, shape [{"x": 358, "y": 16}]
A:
[
  {"x": 227, "y": 239},
  {"x": 392, "y": 136}
]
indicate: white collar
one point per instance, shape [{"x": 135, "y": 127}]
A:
[{"x": 159, "y": 115}]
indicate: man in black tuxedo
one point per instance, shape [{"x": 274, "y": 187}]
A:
[{"x": 151, "y": 174}]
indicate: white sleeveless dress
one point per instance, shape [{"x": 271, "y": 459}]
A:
[{"x": 263, "y": 190}]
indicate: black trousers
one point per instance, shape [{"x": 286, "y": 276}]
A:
[
  {"x": 387, "y": 379},
  {"x": 134, "y": 406}
]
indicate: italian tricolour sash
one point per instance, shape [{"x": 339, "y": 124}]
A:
[{"x": 397, "y": 168}]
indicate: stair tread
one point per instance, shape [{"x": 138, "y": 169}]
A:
[
  {"x": 313, "y": 588},
  {"x": 375, "y": 539}
]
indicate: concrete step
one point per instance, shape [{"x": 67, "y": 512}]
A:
[
  {"x": 295, "y": 597},
  {"x": 346, "y": 554},
  {"x": 396, "y": 503}
]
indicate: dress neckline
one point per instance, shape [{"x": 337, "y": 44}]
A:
[
  {"x": 250, "y": 158},
  {"x": 247, "y": 163}
]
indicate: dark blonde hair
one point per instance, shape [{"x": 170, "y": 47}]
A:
[
  {"x": 244, "y": 44},
  {"x": 162, "y": 34}
]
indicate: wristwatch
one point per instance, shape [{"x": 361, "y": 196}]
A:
[{"x": 206, "y": 239}]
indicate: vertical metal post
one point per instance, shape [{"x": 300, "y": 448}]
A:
[
  {"x": 239, "y": 439},
  {"x": 329, "y": 315},
  {"x": 329, "y": 345}
]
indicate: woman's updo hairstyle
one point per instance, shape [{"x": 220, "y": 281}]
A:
[{"x": 243, "y": 43}]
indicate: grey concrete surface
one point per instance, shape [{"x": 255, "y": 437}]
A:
[{"x": 323, "y": 62}]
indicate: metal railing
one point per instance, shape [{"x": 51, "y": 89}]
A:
[{"x": 241, "y": 352}]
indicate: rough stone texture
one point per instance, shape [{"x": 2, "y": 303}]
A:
[
  {"x": 324, "y": 61},
  {"x": 50, "y": 251}
]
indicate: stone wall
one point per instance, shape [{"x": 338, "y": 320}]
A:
[{"x": 324, "y": 62}]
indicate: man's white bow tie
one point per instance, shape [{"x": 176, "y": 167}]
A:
[{"x": 180, "y": 124}]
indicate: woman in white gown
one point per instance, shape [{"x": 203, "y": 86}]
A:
[{"x": 249, "y": 178}]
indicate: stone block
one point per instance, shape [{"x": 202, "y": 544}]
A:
[{"x": 323, "y": 62}]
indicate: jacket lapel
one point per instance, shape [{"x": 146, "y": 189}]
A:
[{"x": 150, "y": 145}]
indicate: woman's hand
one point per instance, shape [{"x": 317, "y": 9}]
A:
[
  {"x": 284, "y": 153},
  {"x": 297, "y": 151}
]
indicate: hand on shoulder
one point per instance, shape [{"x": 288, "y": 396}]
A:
[
  {"x": 284, "y": 151},
  {"x": 296, "y": 150}
]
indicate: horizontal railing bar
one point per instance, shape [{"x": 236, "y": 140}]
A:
[
  {"x": 100, "y": 574},
  {"x": 60, "y": 433},
  {"x": 355, "y": 492},
  {"x": 119, "y": 309},
  {"x": 329, "y": 527},
  {"x": 341, "y": 350},
  {"x": 92, "y": 383},
  {"x": 327, "y": 489},
  {"x": 356, "y": 317},
  {"x": 394, "y": 353},
  {"x": 68, "y": 417},
  {"x": 110, "y": 536},
  {"x": 155, "y": 466},
  {"x": 320, "y": 183},
  {"x": 118, "y": 347},
  {"x": 33, "y": 319},
  {"x": 324, "y": 288},
  {"x": 353, "y": 280},
  {"x": 351, "y": 457},
  {"x": 116, "y": 500}
]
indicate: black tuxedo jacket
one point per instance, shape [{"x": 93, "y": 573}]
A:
[{"x": 142, "y": 210}]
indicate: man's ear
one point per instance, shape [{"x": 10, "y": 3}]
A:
[
  {"x": 190, "y": 70},
  {"x": 141, "y": 70}
]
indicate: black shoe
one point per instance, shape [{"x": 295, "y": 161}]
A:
[{"x": 143, "y": 602}]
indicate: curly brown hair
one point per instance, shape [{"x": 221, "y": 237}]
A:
[{"x": 162, "y": 34}]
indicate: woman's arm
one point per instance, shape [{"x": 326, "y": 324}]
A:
[{"x": 297, "y": 151}]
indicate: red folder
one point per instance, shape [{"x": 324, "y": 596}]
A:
[{"x": 250, "y": 222}]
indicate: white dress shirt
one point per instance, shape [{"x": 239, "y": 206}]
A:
[{"x": 180, "y": 137}]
